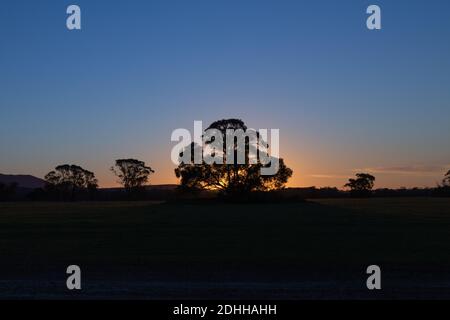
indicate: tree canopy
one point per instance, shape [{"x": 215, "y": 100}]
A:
[
  {"x": 68, "y": 180},
  {"x": 229, "y": 177},
  {"x": 133, "y": 174},
  {"x": 362, "y": 185}
]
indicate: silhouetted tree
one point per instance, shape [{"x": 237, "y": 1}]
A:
[
  {"x": 7, "y": 191},
  {"x": 443, "y": 189},
  {"x": 133, "y": 174},
  {"x": 446, "y": 180},
  {"x": 361, "y": 186},
  {"x": 230, "y": 177},
  {"x": 68, "y": 180}
]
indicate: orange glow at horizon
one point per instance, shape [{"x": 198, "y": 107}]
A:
[{"x": 304, "y": 175}]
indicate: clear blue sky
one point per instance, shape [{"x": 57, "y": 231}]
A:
[{"x": 344, "y": 98}]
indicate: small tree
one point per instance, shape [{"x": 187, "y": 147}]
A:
[
  {"x": 443, "y": 189},
  {"x": 69, "y": 180},
  {"x": 361, "y": 186},
  {"x": 446, "y": 180},
  {"x": 133, "y": 174}
]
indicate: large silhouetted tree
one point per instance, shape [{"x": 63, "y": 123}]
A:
[
  {"x": 69, "y": 180},
  {"x": 133, "y": 174},
  {"x": 362, "y": 185},
  {"x": 232, "y": 177}
]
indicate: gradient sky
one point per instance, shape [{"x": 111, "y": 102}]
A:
[{"x": 345, "y": 99}]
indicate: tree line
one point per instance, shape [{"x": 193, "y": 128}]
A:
[
  {"x": 71, "y": 182},
  {"x": 230, "y": 179}
]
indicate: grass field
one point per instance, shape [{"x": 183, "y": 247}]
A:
[{"x": 316, "y": 249}]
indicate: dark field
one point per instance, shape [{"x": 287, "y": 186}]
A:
[{"x": 308, "y": 250}]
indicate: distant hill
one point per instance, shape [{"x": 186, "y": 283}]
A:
[{"x": 23, "y": 181}]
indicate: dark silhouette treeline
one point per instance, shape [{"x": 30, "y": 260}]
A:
[
  {"x": 230, "y": 180},
  {"x": 175, "y": 193},
  {"x": 73, "y": 183},
  {"x": 333, "y": 192}
]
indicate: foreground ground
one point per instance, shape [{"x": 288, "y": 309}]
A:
[{"x": 316, "y": 249}]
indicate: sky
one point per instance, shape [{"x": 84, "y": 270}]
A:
[{"x": 345, "y": 99}]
